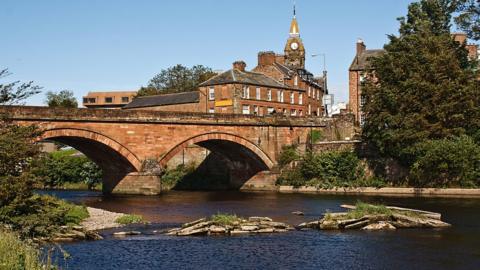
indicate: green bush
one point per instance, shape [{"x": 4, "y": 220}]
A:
[
  {"x": 291, "y": 177},
  {"x": 335, "y": 166},
  {"x": 316, "y": 136},
  {"x": 60, "y": 167},
  {"x": 363, "y": 209},
  {"x": 129, "y": 219},
  {"x": 288, "y": 155},
  {"x": 17, "y": 254},
  {"x": 225, "y": 219},
  {"x": 172, "y": 177},
  {"x": 41, "y": 216},
  {"x": 446, "y": 163}
]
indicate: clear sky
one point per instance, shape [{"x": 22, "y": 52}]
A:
[{"x": 104, "y": 45}]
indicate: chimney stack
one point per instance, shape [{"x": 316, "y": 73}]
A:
[
  {"x": 266, "y": 58},
  {"x": 361, "y": 47},
  {"x": 239, "y": 65}
]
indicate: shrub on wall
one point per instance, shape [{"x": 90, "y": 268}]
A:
[
  {"x": 288, "y": 155},
  {"x": 451, "y": 162}
]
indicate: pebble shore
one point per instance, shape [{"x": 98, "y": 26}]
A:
[{"x": 101, "y": 219}]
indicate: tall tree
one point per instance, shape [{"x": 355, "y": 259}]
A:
[
  {"x": 424, "y": 86},
  {"x": 177, "y": 79},
  {"x": 16, "y": 148},
  {"x": 64, "y": 99},
  {"x": 468, "y": 18}
]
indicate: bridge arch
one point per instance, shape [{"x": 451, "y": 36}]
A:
[
  {"x": 113, "y": 158},
  {"x": 240, "y": 158},
  {"x": 204, "y": 139}
]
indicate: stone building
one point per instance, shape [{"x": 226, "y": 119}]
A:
[
  {"x": 361, "y": 66},
  {"x": 108, "y": 100}
]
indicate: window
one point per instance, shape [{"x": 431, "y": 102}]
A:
[
  {"x": 246, "y": 92},
  {"x": 292, "y": 98},
  {"x": 295, "y": 81},
  {"x": 313, "y": 94},
  {"x": 269, "y": 94},
  {"x": 293, "y": 112},
  {"x": 309, "y": 109},
  {"x": 280, "y": 97},
  {"x": 125, "y": 99},
  {"x": 85, "y": 100},
  {"x": 270, "y": 110},
  {"x": 362, "y": 100},
  {"x": 211, "y": 93},
  {"x": 318, "y": 111},
  {"x": 211, "y": 110},
  {"x": 300, "y": 99},
  {"x": 92, "y": 100},
  {"x": 309, "y": 90},
  {"x": 284, "y": 111},
  {"x": 318, "y": 94},
  {"x": 258, "y": 93},
  {"x": 245, "y": 109},
  {"x": 109, "y": 100},
  {"x": 300, "y": 113},
  {"x": 261, "y": 110},
  {"x": 255, "y": 110}
]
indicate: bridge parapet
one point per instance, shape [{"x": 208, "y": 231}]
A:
[{"x": 139, "y": 116}]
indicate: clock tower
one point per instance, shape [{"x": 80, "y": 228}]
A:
[{"x": 294, "y": 49}]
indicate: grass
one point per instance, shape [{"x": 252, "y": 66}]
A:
[
  {"x": 224, "y": 219},
  {"x": 130, "y": 219},
  {"x": 363, "y": 209},
  {"x": 76, "y": 214},
  {"x": 18, "y": 254}
]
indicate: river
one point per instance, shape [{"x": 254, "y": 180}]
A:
[{"x": 454, "y": 248}]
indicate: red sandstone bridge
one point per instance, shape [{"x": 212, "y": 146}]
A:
[{"x": 125, "y": 144}]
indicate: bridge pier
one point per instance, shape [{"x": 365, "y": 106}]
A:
[{"x": 136, "y": 183}]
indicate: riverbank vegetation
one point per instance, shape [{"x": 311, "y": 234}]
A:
[
  {"x": 18, "y": 254},
  {"x": 130, "y": 219},
  {"x": 421, "y": 114},
  {"x": 66, "y": 168}
]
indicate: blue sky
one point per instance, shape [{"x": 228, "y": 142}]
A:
[{"x": 107, "y": 45}]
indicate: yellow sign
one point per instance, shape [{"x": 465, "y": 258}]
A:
[{"x": 224, "y": 103}]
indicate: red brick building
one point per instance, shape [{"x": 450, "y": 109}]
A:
[
  {"x": 279, "y": 84},
  {"x": 360, "y": 67}
]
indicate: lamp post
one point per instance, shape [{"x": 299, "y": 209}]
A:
[{"x": 325, "y": 84}]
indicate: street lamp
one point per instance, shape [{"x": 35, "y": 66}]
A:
[{"x": 325, "y": 84}]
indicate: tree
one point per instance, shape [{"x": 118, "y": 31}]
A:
[
  {"x": 15, "y": 92},
  {"x": 16, "y": 148},
  {"x": 423, "y": 88},
  {"x": 177, "y": 79},
  {"x": 468, "y": 18},
  {"x": 64, "y": 99}
]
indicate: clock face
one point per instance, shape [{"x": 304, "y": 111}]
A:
[{"x": 294, "y": 45}]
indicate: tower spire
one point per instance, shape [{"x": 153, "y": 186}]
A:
[{"x": 294, "y": 30}]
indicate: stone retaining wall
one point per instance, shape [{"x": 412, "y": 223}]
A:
[{"x": 389, "y": 191}]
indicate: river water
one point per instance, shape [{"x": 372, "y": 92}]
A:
[{"x": 454, "y": 248}]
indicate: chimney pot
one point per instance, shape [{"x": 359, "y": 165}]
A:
[
  {"x": 266, "y": 58},
  {"x": 239, "y": 65},
  {"x": 361, "y": 47}
]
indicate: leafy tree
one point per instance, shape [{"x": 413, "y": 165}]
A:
[
  {"x": 64, "y": 99},
  {"x": 424, "y": 86},
  {"x": 468, "y": 18},
  {"x": 15, "y": 92},
  {"x": 91, "y": 174},
  {"x": 16, "y": 148},
  {"x": 177, "y": 79},
  {"x": 446, "y": 163}
]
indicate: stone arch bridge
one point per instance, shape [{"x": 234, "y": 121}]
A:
[{"x": 125, "y": 144}]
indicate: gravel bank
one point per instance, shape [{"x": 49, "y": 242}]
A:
[{"x": 100, "y": 219}]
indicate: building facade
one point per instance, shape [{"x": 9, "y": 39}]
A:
[
  {"x": 361, "y": 66},
  {"x": 279, "y": 84},
  {"x": 108, "y": 100}
]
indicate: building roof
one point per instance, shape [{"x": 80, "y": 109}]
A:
[
  {"x": 361, "y": 61},
  {"x": 244, "y": 77},
  {"x": 163, "y": 100}
]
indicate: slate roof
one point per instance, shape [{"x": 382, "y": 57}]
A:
[
  {"x": 361, "y": 62},
  {"x": 243, "y": 77},
  {"x": 163, "y": 100}
]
